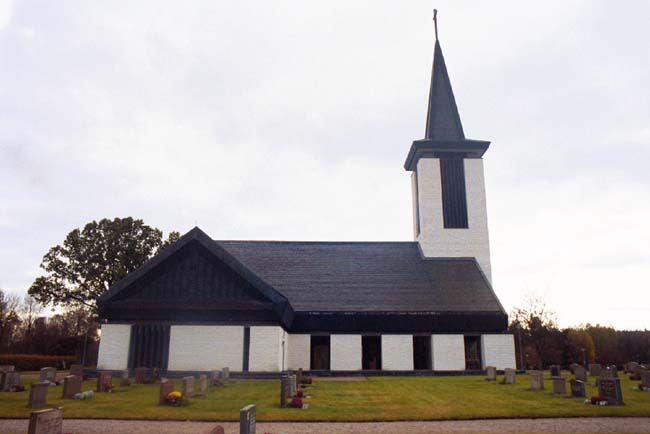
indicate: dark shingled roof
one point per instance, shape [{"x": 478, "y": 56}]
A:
[{"x": 365, "y": 277}]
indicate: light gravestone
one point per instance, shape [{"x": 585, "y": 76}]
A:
[
  {"x": 7, "y": 368},
  {"x": 104, "y": 381},
  {"x": 124, "y": 378},
  {"x": 77, "y": 370},
  {"x": 166, "y": 387},
  {"x": 610, "y": 389},
  {"x": 578, "y": 388},
  {"x": 284, "y": 391},
  {"x": 580, "y": 373},
  {"x": 594, "y": 369},
  {"x": 203, "y": 383},
  {"x": 188, "y": 387},
  {"x": 645, "y": 377},
  {"x": 48, "y": 421},
  {"x": 555, "y": 371},
  {"x": 10, "y": 379},
  {"x": 225, "y": 374},
  {"x": 536, "y": 380},
  {"x": 48, "y": 374},
  {"x": 215, "y": 378},
  {"x": 71, "y": 386},
  {"x": 572, "y": 368},
  {"x": 491, "y": 373},
  {"x": 509, "y": 376},
  {"x": 294, "y": 386},
  {"x": 247, "y": 420},
  {"x": 38, "y": 394},
  {"x": 559, "y": 386}
]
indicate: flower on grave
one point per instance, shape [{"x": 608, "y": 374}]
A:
[
  {"x": 174, "y": 398},
  {"x": 108, "y": 387},
  {"x": 17, "y": 388},
  {"x": 296, "y": 403},
  {"x": 598, "y": 400}
]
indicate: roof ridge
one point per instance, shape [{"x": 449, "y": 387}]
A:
[{"x": 314, "y": 242}]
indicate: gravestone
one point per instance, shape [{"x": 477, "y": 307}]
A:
[
  {"x": 11, "y": 379},
  {"x": 293, "y": 388},
  {"x": 491, "y": 373},
  {"x": 124, "y": 378},
  {"x": 299, "y": 376},
  {"x": 215, "y": 378},
  {"x": 610, "y": 389},
  {"x": 572, "y": 368},
  {"x": 284, "y": 391},
  {"x": 203, "y": 383},
  {"x": 614, "y": 371},
  {"x": 48, "y": 374},
  {"x": 141, "y": 375},
  {"x": 559, "y": 386},
  {"x": 630, "y": 367},
  {"x": 247, "y": 420},
  {"x": 104, "y": 380},
  {"x": 578, "y": 388},
  {"x": 580, "y": 373},
  {"x": 188, "y": 387},
  {"x": 155, "y": 375},
  {"x": 555, "y": 371},
  {"x": 38, "y": 394},
  {"x": 225, "y": 374},
  {"x": 71, "y": 386},
  {"x": 48, "y": 421},
  {"x": 166, "y": 387},
  {"x": 645, "y": 377},
  {"x": 77, "y": 370},
  {"x": 595, "y": 369},
  {"x": 536, "y": 380},
  {"x": 510, "y": 376}
]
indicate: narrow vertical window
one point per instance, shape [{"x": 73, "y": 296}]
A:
[
  {"x": 416, "y": 202},
  {"x": 247, "y": 348},
  {"x": 454, "y": 197}
]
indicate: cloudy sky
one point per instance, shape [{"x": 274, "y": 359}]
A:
[{"x": 292, "y": 119}]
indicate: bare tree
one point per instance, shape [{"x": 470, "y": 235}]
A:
[{"x": 9, "y": 318}]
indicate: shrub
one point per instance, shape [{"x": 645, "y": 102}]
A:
[
  {"x": 296, "y": 403},
  {"x": 34, "y": 362}
]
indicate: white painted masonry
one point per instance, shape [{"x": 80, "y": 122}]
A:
[
  {"x": 299, "y": 352},
  {"x": 498, "y": 350},
  {"x": 345, "y": 352},
  {"x": 434, "y": 239},
  {"x": 266, "y": 349},
  {"x": 202, "y": 348},
  {"x": 448, "y": 352},
  {"x": 397, "y": 352},
  {"x": 114, "y": 346}
]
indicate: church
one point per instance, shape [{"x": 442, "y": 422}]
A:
[{"x": 381, "y": 307}]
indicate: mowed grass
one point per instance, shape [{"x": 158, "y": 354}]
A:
[{"x": 378, "y": 399}]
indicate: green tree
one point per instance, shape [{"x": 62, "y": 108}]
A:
[
  {"x": 9, "y": 318},
  {"x": 535, "y": 325},
  {"x": 94, "y": 258},
  {"x": 579, "y": 346}
]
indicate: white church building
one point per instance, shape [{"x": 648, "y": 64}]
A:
[{"x": 330, "y": 307}]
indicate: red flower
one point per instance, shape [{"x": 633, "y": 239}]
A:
[
  {"x": 299, "y": 394},
  {"x": 296, "y": 403}
]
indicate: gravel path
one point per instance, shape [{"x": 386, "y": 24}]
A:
[{"x": 609, "y": 425}]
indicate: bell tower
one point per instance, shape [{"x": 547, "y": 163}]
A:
[{"x": 448, "y": 186}]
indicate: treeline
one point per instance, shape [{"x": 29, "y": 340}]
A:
[{"x": 539, "y": 342}]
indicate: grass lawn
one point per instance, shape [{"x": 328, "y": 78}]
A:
[{"x": 378, "y": 399}]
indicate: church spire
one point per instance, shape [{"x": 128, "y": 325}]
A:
[{"x": 443, "y": 120}]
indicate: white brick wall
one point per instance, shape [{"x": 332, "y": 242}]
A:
[
  {"x": 266, "y": 349},
  {"x": 299, "y": 352},
  {"x": 448, "y": 352},
  {"x": 345, "y": 352},
  {"x": 434, "y": 239},
  {"x": 397, "y": 352},
  {"x": 114, "y": 346},
  {"x": 203, "y": 348},
  {"x": 498, "y": 350}
]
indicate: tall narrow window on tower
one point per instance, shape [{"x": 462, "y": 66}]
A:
[
  {"x": 416, "y": 202},
  {"x": 454, "y": 197}
]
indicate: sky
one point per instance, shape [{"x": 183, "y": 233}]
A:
[{"x": 291, "y": 120}]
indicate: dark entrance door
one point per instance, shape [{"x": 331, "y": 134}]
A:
[
  {"x": 320, "y": 352},
  {"x": 371, "y": 352},
  {"x": 422, "y": 352},
  {"x": 472, "y": 352},
  {"x": 149, "y": 346}
]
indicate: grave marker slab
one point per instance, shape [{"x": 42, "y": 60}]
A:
[
  {"x": 645, "y": 377},
  {"x": 48, "y": 421},
  {"x": 71, "y": 386},
  {"x": 203, "y": 383},
  {"x": 215, "y": 378},
  {"x": 77, "y": 370},
  {"x": 555, "y": 371},
  {"x": 124, "y": 378},
  {"x": 536, "y": 380},
  {"x": 510, "y": 376},
  {"x": 38, "y": 394},
  {"x": 188, "y": 387},
  {"x": 104, "y": 381},
  {"x": 559, "y": 386},
  {"x": 166, "y": 387},
  {"x": 48, "y": 374},
  {"x": 284, "y": 391},
  {"x": 491, "y": 373},
  {"x": 247, "y": 420},
  {"x": 225, "y": 374},
  {"x": 578, "y": 388},
  {"x": 595, "y": 369},
  {"x": 299, "y": 376},
  {"x": 610, "y": 389},
  {"x": 10, "y": 379},
  {"x": 580, "y": 373},
  {"x": 141, "y": 375}
]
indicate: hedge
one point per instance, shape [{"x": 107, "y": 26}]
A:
[{"x": 34, "y": 362}]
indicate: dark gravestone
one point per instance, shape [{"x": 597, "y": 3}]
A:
[
  {"x": 124, "y": 378},
  {"x": 215, "y": 378},
  {"x": 188, "y": 387},
  {"x": 38, "y": 394},
  {"x": 104, "y": 381},
  {"x": 536, "y": 380},
  {"x": 555, "y": 370},
  {"x": 594, "y": 369},
  {"x": 203, "y": 383},
  {"x": 644, "y": 375},
  {"x": 141, "y": 375},
  {"x": 71, "y": 386},
  {"x": 509, "y": 376},
  {"x": 77, "y": 370},
  {"x": 48, "y": 421},
  {"x": 247, "y": 420},
  {"x": 299, "y": 376},
  {"x": 11, "y": 379},
  {"x": 610, "y": 389},
  {"x": 48, "y": 374},
  {"x": 614, "y": 371},
  {"x": 559, "y": 386},
  {"x": 578, "y": 389},
  {"x": 284, "y": 391},
  {"x": 166, "y": 387},
  {"x": 491, "y": 373},
  {"x": 572, "y": 368},
  {"x": 580, "y": 372}
]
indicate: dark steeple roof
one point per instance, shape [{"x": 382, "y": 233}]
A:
[{"x": 444, "y": 131}]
